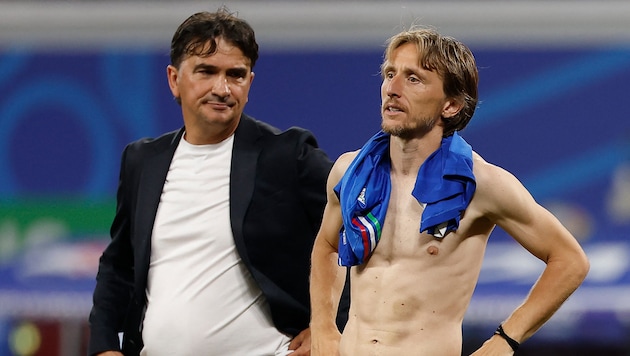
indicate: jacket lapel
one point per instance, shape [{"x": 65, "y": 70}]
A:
[
  {"x": 150, "y": 186},
  {"x": 242, "y": 177}
]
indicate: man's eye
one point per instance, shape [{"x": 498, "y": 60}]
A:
[{"x": 238, "y": 75}]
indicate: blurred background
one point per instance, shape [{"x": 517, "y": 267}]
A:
[{"x": 80, "y": 79}]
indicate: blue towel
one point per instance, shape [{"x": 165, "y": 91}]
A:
[{"x": 444, "y": 187}]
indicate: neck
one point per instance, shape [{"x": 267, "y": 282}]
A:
[
  {"x": 210, "y": 134},
  {"x": 407, "y": 155}
]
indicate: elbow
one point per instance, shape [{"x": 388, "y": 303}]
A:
[
  {"x": 583, "y": 268},
  {"x": 573, "y": 267},
  {"x": 579, "y": 268}
]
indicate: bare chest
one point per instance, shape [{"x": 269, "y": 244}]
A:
[{"x": 401, "y": 237}]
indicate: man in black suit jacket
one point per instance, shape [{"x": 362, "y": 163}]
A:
[{"x": 275, "y": 202}]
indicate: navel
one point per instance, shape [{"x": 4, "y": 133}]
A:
[{"x": 433, "y": 250}]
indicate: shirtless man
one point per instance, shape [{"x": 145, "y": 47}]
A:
[{"x": 409, "y": 294}]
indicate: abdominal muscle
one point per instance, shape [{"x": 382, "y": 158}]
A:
[{"x": 410, "y": 297}]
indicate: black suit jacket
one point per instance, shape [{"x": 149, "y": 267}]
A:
[{"x": 277, "y": 197}]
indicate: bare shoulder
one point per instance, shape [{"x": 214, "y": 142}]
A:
[
  {"x": 487, "y": 173},
  {"x": 341, "y": 165},
  {"x": 345, "y": 159},
  {"x": 497, "y": 189}
]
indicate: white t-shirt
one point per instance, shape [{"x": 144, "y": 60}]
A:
[{"x": 201, "y": 299}]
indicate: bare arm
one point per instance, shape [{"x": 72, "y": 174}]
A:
[
  {"x": 327, "y": 277},
  {"x": 510, "y": 206}
]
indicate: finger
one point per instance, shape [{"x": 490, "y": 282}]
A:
[{"x": 296, "y": 342}]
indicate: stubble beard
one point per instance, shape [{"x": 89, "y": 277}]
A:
[{"x": 406, "y": 131}]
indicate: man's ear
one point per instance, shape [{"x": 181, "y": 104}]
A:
[
  {"x": 171, "y": 76},
  {"x": 452, "y": 107}
]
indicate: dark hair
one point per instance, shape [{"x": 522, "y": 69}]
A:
[
  {"x": 198, "y": 34},
  {"x": 454, "y": 63}
]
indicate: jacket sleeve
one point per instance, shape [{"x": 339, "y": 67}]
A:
[
  {"x": 313, "y": 168},
  {"x": 114, "y": 280}
]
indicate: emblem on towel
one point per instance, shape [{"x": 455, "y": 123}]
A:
[{"x": 361, "y": 197}]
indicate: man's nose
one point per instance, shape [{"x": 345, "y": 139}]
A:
[
  {"x": 221, "y": 87},
  {"x": 392, "y": 86}
]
